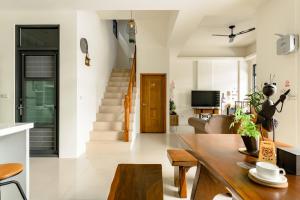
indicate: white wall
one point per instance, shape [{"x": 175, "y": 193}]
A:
[
  {"x": 81, "y": 88},
  {"x": 152, "y": 50},
  {"x": 123, "y": 54},
  {"x": 184, "y": 74},
  {"x": 92, "y": 81},
  {"x": 205, "y": 74},
  {"x": 224, "y": 75},
  {"x": 283, "y": 17},
  {"x": 68, "y": 92},
  {"x": 250, "y": 60},
  {"x": 243, "y": 79}
]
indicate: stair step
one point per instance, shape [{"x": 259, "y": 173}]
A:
[
  {"x": 114, "y": 95},
  {"x": 112, "y": 102},
  {"x": 111, "y": 117},
  {"x": 106, "y": 135},
  {"x": 118, "y": 84},
  {"x": 109, "y": 126},
  {"x": 100, "y": 148},
  {"x": 120, "y": 74},
  {"x": 118, "y": 89},
  {"x": 120, "y": 69},
  {"x": 118, "y": 79},
  {"x": 111, "y": 109}
]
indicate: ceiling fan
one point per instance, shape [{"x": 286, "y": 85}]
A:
[{"x": 233, "y": 35}]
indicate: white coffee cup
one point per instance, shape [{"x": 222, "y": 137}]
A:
[{"x": 268, "y": 170}]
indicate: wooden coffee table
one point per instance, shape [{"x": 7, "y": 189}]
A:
[{"x": 137, "y": 182}]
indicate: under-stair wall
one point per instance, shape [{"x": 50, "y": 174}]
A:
[{"x": 92, "y": 80}]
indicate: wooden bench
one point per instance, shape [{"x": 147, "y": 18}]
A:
[
  {"x": 182, "y": 161},
  {"x": 137, "y": 182}
]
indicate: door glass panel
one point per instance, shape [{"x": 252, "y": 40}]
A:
[
  {"x": 39, "y": 38},
  {"x": 40, "y": 66},
  {"x": 39, "y": 102}
]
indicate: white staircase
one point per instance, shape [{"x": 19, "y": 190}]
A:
[{"x": 109, "y": 120}]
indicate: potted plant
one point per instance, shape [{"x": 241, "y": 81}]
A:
[
  {"x": 172, "y": 107},
  {"x": 255, "y": 100},
  {"x": 247, "y": 129}
]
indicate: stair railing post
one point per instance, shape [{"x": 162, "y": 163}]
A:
[
  {"x": 130, "y": 96},
  {"x": 134, "y": 72},
  {"x": 126, "y": 118}
]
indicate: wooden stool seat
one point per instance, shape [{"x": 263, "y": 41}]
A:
[
  {"x": 10, "y": 170},
  {"x": 182, "y": 161},
  {"x": 180, "y": 157}
]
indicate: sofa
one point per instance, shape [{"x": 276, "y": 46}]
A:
[{"x": 216, "y": 124}]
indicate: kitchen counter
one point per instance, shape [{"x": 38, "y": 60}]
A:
[{"x": 14, "y": 148}]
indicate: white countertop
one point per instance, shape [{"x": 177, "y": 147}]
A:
[{"x": 7, "y": 129}]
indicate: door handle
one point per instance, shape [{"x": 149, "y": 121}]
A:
[
  {"x": 20, "y": 108},
  {"x": 143, "y": 104}
]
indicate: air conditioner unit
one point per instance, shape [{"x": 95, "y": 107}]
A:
[{"x": 287, "y": 44}]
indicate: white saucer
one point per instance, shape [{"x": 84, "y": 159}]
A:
[{"x": 280, "y": 180}]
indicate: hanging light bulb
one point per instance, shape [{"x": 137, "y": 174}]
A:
[{"x": 131, "y": 25}]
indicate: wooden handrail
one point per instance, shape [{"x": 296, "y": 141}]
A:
[{"x": 128, "y": 97}]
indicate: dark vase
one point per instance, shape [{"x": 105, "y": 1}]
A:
[{"x": 251, "y": 144}]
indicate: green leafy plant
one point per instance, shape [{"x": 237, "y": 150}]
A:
[
  {"x": 246, "y": 126},
  {"x": 256, "y": 99},
  {"x": 172, "y": 107}
]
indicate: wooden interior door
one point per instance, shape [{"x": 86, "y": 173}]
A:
[{"x": 153, "y": 103}]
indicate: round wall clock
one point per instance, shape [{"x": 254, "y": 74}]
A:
[
  {"x": 84, "y": 45},
  {"x": 85, "y": 49}
]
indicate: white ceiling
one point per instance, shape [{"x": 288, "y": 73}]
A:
[
  {"x": 200, "y": 5},
  {"x": 136, "y": 14},
  {"x": 215, "y": 13},
  {"x": 192, "y": 21},
  {"x": 239, "y": 13},
  {"x": 219, "y": 25},
  {"x": 103, "y": 4}
]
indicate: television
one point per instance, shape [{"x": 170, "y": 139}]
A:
[{"x": 205, "y": 98}]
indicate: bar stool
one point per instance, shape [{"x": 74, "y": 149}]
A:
[{"x": 10, "y": 170}]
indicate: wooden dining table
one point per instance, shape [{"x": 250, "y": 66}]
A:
[{"x": 219, "y": 170}]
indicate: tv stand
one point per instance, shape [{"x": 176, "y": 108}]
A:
[{"x": 206, "y": 110}]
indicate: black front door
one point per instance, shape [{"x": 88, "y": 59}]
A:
[{"x": 37, "y": 94}]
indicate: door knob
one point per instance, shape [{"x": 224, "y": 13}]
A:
[{"x": 143, "y": 104}]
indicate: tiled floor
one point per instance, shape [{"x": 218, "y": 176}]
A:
[{"x": 89, "y": 177}]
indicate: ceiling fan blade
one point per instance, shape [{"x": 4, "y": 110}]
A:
[
  {"x": 231, "y": 39},
  {"x": 246, "y": 31},
  {"x": 220, "y": 35}
]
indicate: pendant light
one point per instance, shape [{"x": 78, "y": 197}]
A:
[{"x": 131, "y": 25}]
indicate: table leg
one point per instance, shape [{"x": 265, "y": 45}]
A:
[
  {"x": 205, "y": 185},
  {"x": 182, "y": 182},
  {"x": 176, "y": 176}
]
